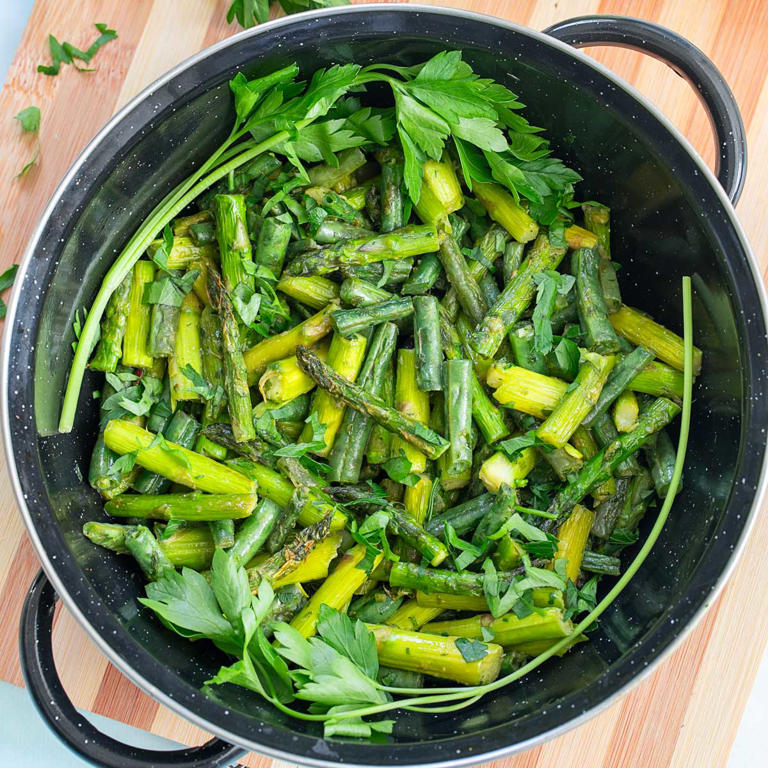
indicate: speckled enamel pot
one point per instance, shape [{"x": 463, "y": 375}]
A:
[{"x": 670, "y": 217}]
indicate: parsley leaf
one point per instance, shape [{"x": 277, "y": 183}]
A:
[
  {"x": 6, "y": 281},
  {"x": 468, "y": 552},
  {"x": 579, "y": 600},
  {"x": 316, "y": 442},
  {"x": 170, "y": 289},
  {"x": 29, "y": 119},
  {"x": 398, "y": 468},
  {"x": 66, "y": 53},
  {"x": 549, "y": 283},
  {"x": 201, "y": 386},
  {"x": 516, "y": 445},
  {"x": 471, "y": 650}
]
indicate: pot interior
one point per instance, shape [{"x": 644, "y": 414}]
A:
[{"x": 667, "y": 222}]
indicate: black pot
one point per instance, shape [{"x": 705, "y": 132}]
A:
[{"x": 671, "y": 217}]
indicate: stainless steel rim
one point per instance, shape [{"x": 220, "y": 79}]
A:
[{"x": 146, "y": 685}]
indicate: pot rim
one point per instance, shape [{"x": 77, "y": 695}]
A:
[{"x": 125, "y": 668}]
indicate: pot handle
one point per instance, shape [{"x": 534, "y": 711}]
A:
[
  {"x": 690, "y": 63},
  {"x": 55, "y": 707}
]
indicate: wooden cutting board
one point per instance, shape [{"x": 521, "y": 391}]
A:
[{"x": 687, "y": 712}]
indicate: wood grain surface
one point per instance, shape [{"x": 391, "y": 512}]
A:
[{"x": 684, "y": 714}]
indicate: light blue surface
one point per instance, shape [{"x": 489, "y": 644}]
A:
[
  {"x": 25, "y": 739},
  {"x": 13, "y": 19}
]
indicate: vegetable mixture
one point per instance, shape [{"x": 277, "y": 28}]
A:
[{"x": 375, "y": 415}]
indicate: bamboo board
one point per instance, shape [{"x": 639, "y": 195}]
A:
[{"x": 679, "y": 716}]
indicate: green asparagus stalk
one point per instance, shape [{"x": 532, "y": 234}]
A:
[
  {"x": 187, "y": 351},
  {"x": 661, "y": 460},
  {"x": 606, "y": 433},
  {"x": 211, "y": 349},
  {"x": 599, "y": 335},
  {"x": 222, "y": 533},
  {"x": 459, "y": 275},
  {"x": 175, "y": 462},
  {"x": 503, "y": 209},
  {"x": 113, "y": 325},
  {"x": 463, "y": 518},
  {"x": 515, "y": 298},
  {"x": 498, "y": 470},
  {"x": 424, "y": 277},
  {"x": 618, "y": 380},
  {"x": 625, "y": 411},
  {"x": 641, "y": 330},
  {"x": 577, "y": 237},
  {"x": 316, "y": 292},
  {"x": 136, "y": 338},
  {"x": 605, "y": 565},
  {"x": 597, "y": 220},
  {"x": 379, "y": 447},
  {"x": 289, "y": 600},
  {"x": 283, "y": 380},
  {"x": 352, "y": 321},
  {"x": 511, "y": 260},
  {"x": 572, "y": 537},
  {"x": 345, "y": 356},
  {"x": 416, "y": 498},
  {"x": 598, "y": 469},
  {"x": 287, "y": 520},
  {"x": 164, "y": 320},
  {"x": 413, "y": 403},
  {"x": 235, "y": 373},
  {"x": 355, "y": 396},
  {"x": 360, "y": 293},
  {"x": 391, "y": 161},
  {"x": 411, "y": 615},
  {"x": 525, "y": 390},
  {"x": 558, "y": 427},
  {"x": 440, "y": 192},
  {"x": 181, "y": 506},
  {"x": 607, "y": 511},
  {"x": 521, "y": 338},
  {"x": 412, "y": 240},
  {"x": 391, "y": 274},
  {"x": 411, "y": 532},
  {"x": 183, "y": 253},
  {"x": 348, "y": 450},
  {"x": 434, "y": 655},
  {"x": 336, "y": 591},
  {"x": 253, "y": 533},
  {"x": 147, "y": 553},
  {"x": 349, "y": 161},
  {"x": 545, "y": 624},
  {"x": 284, "y": 344},
  {"x": 658, "y": 380},
  {"x": 234, "y": 244},
  {"x": 584, "y": 442},
  {"x": 182, "y": 225},
  {"x": 426, "y": 340},
  {"x": 412, "y": 576},
  {"x": 272, "y": 245},
  {"x": 458, "y": 418}
]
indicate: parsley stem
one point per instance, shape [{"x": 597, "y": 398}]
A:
[{"x": 536, "y": 512}]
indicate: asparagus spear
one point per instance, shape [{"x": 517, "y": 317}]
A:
[
  {"x": 183, "y": 253},
  {"x": 411, "y": 532},
  {"x": 463, "y": 518},
  {"x": 468, "y": 292},
  {"x": 502, "y": 208},
  {"x": 222, "y": 533},
  {"x": 393, "y": 274},
  {"x": 595, "y": 562},
  {"x": 426, "y": 340},
  {"x": 351, "y": 321},
  {"x": 146, "y": 551},
  {"x": 571, "y": 410},
  {"x": 658, "y": 380},
  {"x": 607, "y": 511},
  {"x": 213, "y": 364},
  {"x": 498, "y": 470},
  {"x": 391, "y": 161},
  {"x": 526, "y": 391},
  {"x": 335, "y": 591},
  {"x": 411, "y": 615},
  {"x": 355, "y": 396},
  {"x": 599, "y": 335},
  {"x": 577, "y": 237},
  {"x": 545, "y": 624},
  {"x": 598, "y": 469},
  {"x": 253, "y": 533},
  {"x": 136, "y": 338},
  {"x": 345, "y": 356},
  {"x": 289, "y": 600},
  {"x": 597, "y": 220},
  {"x": 379, "y": 447},
  {"x": 235, "y": 373},
  {"x": 181, "y": 506},
  {"x": 316, "y": 292},
  {"x": 414, "y": 576},
  {"x": 661, "y": 459},
  {"x": 434, "y": 655},
  {"x": 605, "y": 433},
  {"x": 173, "y": 461},
  {"x": 360, "y": 293},
  {"x": 164, "y": 319},
  {"x": 234, "y": 244},
  {"x": 113, "y": 325},
  {"x": 641, "y": 330},
  {"x": 307, "y": 558},
  {"x": 424, "y": 277},
  {"x": 416, "y": 498},
  {"x": 413, "y": 404},
  {"x": 511, "y": 260},
  {"x": 284, "y": 344},
  {"x": 515, "y": 298},
  {"x": 376, "y": 608},
  {"x": 618, "y": 380},
  {"x": 625, "y": 411},
  {"x": 585, "y": 444},
  {"x": 440, "y": 191},
  {"x": 348, "y": 450},
  {"x": 412, "y": 240},
  {"x": 444, "y": 601},
  {"x": 272, "y": 244},
  {"x": 458, "y": 418},
  {"x": 187, "y": 351},
  {"x": 283, "y": 381}
]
